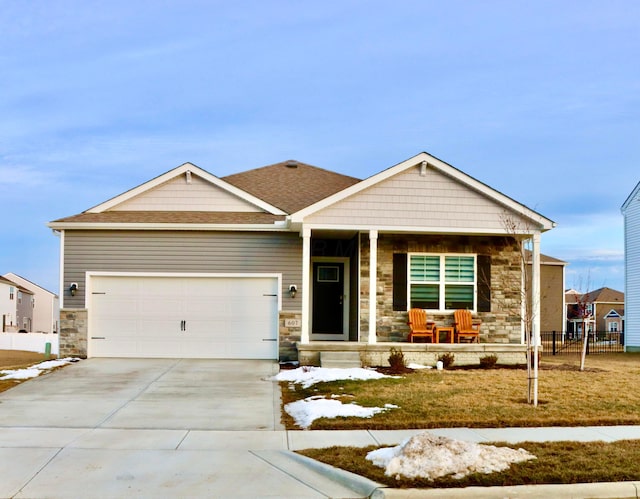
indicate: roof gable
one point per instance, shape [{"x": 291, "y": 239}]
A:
[
  {"x": 635, "y": 195},
  {"x": 428, "y": 193},
  {"x": 186, "y": 188},
  {"x": 291, "y": 185}
]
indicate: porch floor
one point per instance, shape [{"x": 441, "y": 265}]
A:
[{"x": 420, "y": 353}]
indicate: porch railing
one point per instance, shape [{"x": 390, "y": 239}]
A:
[{"x": 598, "y": 342}]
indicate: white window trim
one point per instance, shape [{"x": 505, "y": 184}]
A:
[{"x": 442, "y": 283}]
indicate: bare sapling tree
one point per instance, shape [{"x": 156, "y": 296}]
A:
[
  {"x": 584, "y": 315},
  {"x": 522, "y": 244}
]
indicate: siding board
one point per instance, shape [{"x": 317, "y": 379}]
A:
[
  {"x": 409, "y": 199},
  {"x": 182, "y": 251},
  {"x": 178, "y": 195},
  {"x": 632, "y": 273}
]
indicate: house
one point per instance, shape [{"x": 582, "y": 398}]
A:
[
  {"x": 552, "y": 296},
  {"x": 289, "y": 259},
  {"x": 16, "y": 306},
  {"x": 631, "y": 213},
  {"x": 601, "y": 310},
  {"x": 8, "y": 306},
  {"x": 46, "y": 307}
]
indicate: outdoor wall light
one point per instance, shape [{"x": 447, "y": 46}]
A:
[
  {"x": 293, "y": 290},
  {"x": 73, "y": 289}
]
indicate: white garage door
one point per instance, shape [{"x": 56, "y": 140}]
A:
[{"x": 183, "y": 317}]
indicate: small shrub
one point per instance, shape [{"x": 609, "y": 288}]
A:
[
  {"x": 488, "y": 361},
  {"x": 397, "y": 361},
  {"x": 447, "y": 360}
]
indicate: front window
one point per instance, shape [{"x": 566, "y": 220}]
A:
[
  {"x": 442, "y": 282},
  {"x": 613, "y": 327}
]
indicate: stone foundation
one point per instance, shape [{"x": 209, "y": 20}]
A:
[
  {"x": 289, "y": 332},
  {"x": 73, "y": 333},
  {"x": 419, "y": 353}
]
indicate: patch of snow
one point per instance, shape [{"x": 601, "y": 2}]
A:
[
  {"x": 429, "y": 456},
  {"x": 35, "y": 370},
  {"x": 418, "y": 366},
  {"x": 308, "y": 376},
  {"x": 306, "y": 411}
]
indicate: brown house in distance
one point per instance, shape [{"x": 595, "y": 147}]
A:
[
  {"x": 601, "y": 310},
  {"x": 552, "y": 295}
]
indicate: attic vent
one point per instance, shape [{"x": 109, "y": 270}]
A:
[
  {"x": 423, "y": 169},
  {"x": 291, "y": 164},
  {"x": 188, "y": 176}
]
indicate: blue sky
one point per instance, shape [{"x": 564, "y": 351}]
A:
[{"x": 540, "y": 100}]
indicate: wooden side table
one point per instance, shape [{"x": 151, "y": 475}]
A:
[{"x": 447, "y": 330}]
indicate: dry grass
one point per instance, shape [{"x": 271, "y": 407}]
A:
[
  {"x": 604, "y": 394},
  {"x": 557, "y": 462},
  {"x": 17, "y": 359}
]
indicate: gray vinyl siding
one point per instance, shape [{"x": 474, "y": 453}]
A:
[
  {"x": 182, "y": 251},
  {"x": 632, "y": 274}
]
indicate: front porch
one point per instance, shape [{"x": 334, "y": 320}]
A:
[{"x": 377, "y": 354}]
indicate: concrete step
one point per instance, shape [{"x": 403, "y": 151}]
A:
[{"x": 340, "y": 359}]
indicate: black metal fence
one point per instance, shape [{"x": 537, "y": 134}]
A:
[{"x": 559, "y": 343}]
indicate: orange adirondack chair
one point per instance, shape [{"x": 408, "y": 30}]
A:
[
  {"x": 466, "y": 326},
  {"x": 420, "y": 327}
]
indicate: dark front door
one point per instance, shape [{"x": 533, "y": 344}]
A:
[{"x": 328, "y": 299}]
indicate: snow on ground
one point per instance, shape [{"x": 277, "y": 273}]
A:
[
  {"x": 304, "y": 412},
  {"x": 308, "y": 375},
  {"x": 431, "y": 456},
  {"x": 35, "y": 370}
]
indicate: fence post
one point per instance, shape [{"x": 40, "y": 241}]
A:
[
  {"x": 553, "y": 341},
  {"x": 588, "y": 340}
]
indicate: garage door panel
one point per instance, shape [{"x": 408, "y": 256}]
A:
[{"x": 224, "y": 317}]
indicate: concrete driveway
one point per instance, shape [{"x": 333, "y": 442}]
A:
[{"x": 153, "y": 428}]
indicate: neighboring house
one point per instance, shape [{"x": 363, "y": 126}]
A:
[
  {"x": 8, "y": 306},
  {"x": 601, "y": 310},
  {"x": 16, "y": 306},
  {"x": 24, "y": 310},
  {"x": 46, "y": 309},
  {"x": 552, "y": 296},
  {"x": 268, "y": 262},
  {"x": 631, "y": 213}
]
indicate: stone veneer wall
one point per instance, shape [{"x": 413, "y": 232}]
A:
[
  {"x": 289, "y": 332},
  {"x": 501, "y": 325},
  {"x": 72, "y": 337}
]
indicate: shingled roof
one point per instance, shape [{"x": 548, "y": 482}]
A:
[
  {"x": 290, "y": 185},
  {"x": 174, "y": 217},
  {"x": 604, "y": 295}
]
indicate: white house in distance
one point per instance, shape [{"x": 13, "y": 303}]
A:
[
  {"x": 7, "y": 304},
  {"x": 46, "y": 308},
  {"x": 631, "y": 212}
]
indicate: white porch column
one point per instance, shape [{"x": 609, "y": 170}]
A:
[
  {"x": 373, "y": 284},
  {"x": 535, "y": 310},
  {"x": 306, "y": 286}
]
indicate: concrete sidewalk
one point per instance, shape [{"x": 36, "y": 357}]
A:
[{"x": 109, "y": 462}]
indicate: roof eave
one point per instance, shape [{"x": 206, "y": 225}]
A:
[{"x": 276, "y": 226}]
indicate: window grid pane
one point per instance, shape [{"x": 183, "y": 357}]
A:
[
  {"x": 459, "y": 269},
  {"x": 425, "y": 296},
  {"x": 425, "y": 268}
]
